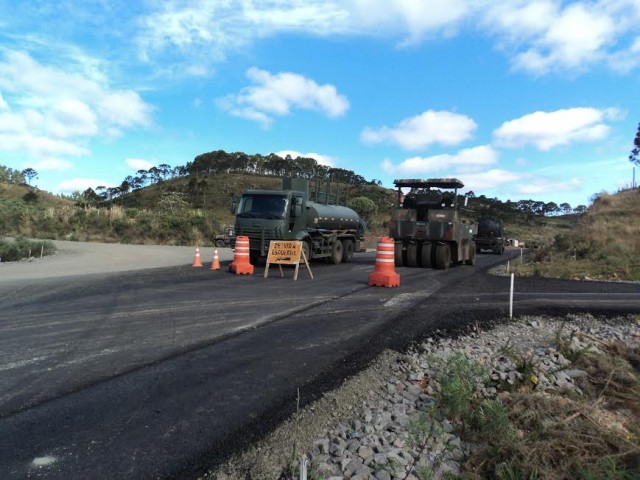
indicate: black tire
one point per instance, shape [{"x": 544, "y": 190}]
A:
[
  {"x": 472, "y": 256},
  {"x": 412, "y": 255},
  {"x": 426, "y": 255},
  {"x": 347, "y": 251},
  {"x": 307, "y": 251},
  {"x": 219, "y": 243},
  {"x": 443, "y": 256},
  {"x": 398, "y": 255},
  {"x": 336, "y": 252}
]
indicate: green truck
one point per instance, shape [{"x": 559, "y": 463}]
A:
[{"x": 326, "y": 230}]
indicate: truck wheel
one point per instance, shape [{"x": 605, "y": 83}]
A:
[
  {"x": 443, "y": 256},
  {"x": 398, "y": 255},
  {"x": 219, "y": 243},
  {"x": 472, "y": 256},
  {"x": 412, "y": 255},
  {"x": 336, "y": 252},
  {"x": 306, "y": 250},
  {"x": 425, "y": 255},
  {"x": 347, "y": 251}
]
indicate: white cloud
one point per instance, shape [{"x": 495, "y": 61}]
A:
[
  {"x": 321, "y": 159},
  {"x": 139, "y": 164},
  {"x": 469, "y": 159},
  {"x": 3, "y": 104},
  {"x": 412, "y": 19},
  {"x": 543, "y": 186},
  {"x": 278, "y": 94},
  {"x": 546, "y": 130},
  {"x": 50, "y": 111},
  {"x": 547, "y": 35},
  {"x": 491, "y": 179},
  {"x": 52, "y": 164},
  {"x": 428, "y": 128},
  {"x": 81, "y": 184}
]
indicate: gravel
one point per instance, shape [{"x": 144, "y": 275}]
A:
[{"x": 382, "y": 425}]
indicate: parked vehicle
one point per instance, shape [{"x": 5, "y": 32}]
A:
[
  {"x": 490, "y": 236},
  {"x": 427, "y": 227},
  {"x": 224, "y": 239},
  {"x": 327, "y": 230}
]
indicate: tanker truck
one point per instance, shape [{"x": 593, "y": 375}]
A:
[
  {"x": 490, "y": 236},
  {"x": 327, "y": 231}
]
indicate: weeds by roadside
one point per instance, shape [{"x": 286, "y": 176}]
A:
[{"x": 21, "y": 248}]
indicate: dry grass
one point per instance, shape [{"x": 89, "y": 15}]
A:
[
  {"x": 603, "y": 245},
  {"x": 593, "y": 436}
]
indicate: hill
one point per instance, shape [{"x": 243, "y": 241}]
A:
[{"x": 603, "y": 244}]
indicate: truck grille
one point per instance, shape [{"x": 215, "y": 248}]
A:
[{"x": 259, "y": 238}]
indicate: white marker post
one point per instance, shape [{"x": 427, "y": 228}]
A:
[{"x": 511, "y": 298}]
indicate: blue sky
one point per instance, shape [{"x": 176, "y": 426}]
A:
[{"x": 535, "y": 99}]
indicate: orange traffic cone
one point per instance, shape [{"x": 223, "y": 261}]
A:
[
  {"x": 215, "y": 265},
  {"x": 241, "y": 264},
  {"x": 384, "y": 274},
  {"x": 196, "y": 261}
]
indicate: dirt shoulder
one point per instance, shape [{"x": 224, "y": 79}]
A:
[{"x": 81, "y": 258}]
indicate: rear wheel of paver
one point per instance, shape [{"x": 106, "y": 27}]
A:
[
  {"x": 443, "y": 256},
  {"x": 425, "y": 255},
  {"x": 412, "y": 255},
  {"x": 397, "y": 255}
]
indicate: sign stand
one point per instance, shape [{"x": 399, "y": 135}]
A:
[{"x": 286, "y": 253}]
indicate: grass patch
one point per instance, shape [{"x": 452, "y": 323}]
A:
[
  {"x": 21, "y": 248},
  {"x": 532, "y": 435}
]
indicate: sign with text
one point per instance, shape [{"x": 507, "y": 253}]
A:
[{"x": 284, "y": 252}]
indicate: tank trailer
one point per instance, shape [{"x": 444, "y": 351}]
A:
[
  {"x": 426, "y": 226},
  {"x": 490, "y": 236},
  {"x": 326, "y": 230}
]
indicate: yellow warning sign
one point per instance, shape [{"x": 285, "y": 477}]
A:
[{"x": 284, "y": 252}]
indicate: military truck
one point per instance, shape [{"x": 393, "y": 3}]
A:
[
  {"x": 427, "y": 227},
  {"x": 326, "y": 230},
  {"x": 490, "y": 236}
]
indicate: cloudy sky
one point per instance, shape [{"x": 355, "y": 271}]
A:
[{"x": 535, "y": 99}]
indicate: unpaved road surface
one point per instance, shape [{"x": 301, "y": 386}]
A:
[{"x": 82, "y": 258}]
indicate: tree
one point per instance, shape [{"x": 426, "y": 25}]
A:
[
  {"x": 365, "y": 207},
  {"x": 634, "y": 157},
  {"x": 29, "y": 174}
]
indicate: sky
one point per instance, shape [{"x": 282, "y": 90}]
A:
[{"x": 535, "y": 99}]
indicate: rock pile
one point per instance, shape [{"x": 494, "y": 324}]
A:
[{"x": 398, "y": 431}]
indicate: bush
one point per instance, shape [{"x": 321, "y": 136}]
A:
[{"x": 12, "y": 251}]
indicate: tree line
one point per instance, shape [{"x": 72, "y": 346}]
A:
[{"x": 221, "y": 162}]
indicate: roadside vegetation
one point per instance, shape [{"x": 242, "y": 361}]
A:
[
  {"x": 603, "y": 244},
  {"x": 12, "y": 250}
]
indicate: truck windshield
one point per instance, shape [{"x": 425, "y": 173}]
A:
[{"x": 262, "y": 206}]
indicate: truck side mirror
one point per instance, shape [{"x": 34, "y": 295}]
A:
[
  {"x": 297, "y": 207},
  {"x": 233, "y": 205}
]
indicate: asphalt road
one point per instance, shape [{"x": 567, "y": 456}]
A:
[{"x": 160, "y": 372}]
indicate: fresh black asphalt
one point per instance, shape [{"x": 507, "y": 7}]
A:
[{"x": 161, "y": 373}]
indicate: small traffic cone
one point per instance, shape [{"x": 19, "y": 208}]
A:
[
  {"x": 384, "y": 274},
  {"x": 241, "y": 264},
  {"x": 196, "y": 261},
  {"x": 215, "y": 265}
]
